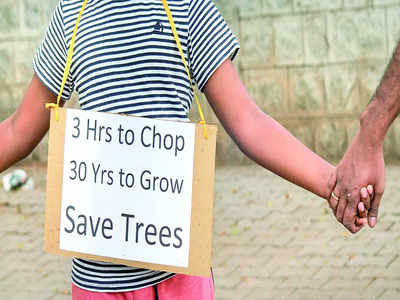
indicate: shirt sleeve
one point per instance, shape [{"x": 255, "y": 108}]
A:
[
  {"x": 211, "y": 40},
  {"x": 50, "y": 59}
]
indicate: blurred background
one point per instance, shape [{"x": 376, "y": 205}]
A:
[{"x": 311, "y": 64}]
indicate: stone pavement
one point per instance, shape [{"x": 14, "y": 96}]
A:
[{"x": 272, "y": 240}]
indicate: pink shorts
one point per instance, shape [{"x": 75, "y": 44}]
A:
[{"x": 179, "y": 287}]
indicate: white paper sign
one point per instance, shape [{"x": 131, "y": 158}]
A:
[{"x": 127, "y": 188}]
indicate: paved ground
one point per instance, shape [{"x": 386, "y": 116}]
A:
[{"x": 272, "y": 240}]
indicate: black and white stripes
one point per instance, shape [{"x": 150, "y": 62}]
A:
[
  {"x": 107, "y": 277},
  {"x": 126, "y": 61}
]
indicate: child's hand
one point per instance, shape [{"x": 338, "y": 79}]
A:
[
  {"x": 366, "y": 195},
  {"x": 361, "y": 218}
]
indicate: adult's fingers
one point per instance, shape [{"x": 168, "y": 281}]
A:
[
  {"x": 370, "y": 189},
  {"x": 362, "y": 212},
  {"x": 373, "y": 212},
  {"x": 341, "y": 208},
  {"x": 339, "y": 213},
  {"x": 365, "y": 197},
  {"x": 361, "y": 219},
  {"x": 360, "y": 222},
  {"x": 351, "y": 211},
  {"x": 334, "y": 200}
]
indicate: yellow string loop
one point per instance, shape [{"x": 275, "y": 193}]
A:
[
  {"x": 204, "y": 129},
  {"x": 178, "y": 43},
  {"x": 52, "y": 105},
  {"x": 68, "y": 62}
]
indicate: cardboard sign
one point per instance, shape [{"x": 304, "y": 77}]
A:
[{"x": 130, "y": 190}]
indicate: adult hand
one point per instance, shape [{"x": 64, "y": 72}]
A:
[
  {"x": 362, "y": 165},
  {"x": 361, "y": 215}
]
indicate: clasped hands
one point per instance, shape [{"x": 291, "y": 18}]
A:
[{"x": 359, "y": 185}]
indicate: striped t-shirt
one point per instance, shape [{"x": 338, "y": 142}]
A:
[{"x": 126, "y": 61}]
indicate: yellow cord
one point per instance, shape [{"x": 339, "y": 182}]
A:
[
  {"x": 68, "y": 62},
  {"x": 178, "y": 43}
]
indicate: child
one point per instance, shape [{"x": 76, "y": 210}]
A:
[{"x": 126, "y": 61}]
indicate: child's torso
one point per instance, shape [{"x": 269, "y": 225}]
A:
[{"x": 126, "y": 59}]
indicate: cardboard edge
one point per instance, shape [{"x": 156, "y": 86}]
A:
[
  {"x": 203, "y": 199},
  {"x": 201, "y": 214},
  {"x": 54, "y": 179}
]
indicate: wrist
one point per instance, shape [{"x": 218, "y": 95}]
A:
[
  {"x": 373, "y": 125},
  {"x": 330, "y": 183}
]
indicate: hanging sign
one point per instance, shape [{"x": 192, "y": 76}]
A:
[{"x": 130, "y": 190}]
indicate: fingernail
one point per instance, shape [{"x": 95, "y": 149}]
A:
[
  {"x": 361, "y": 206},
  {"x": 370, "y": 189},
  {"x": 373, "y": 222},
  {"x": 364, "y": 193}
]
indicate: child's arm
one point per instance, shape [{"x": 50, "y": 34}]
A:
[
  {"x": 23, "y": 130},
  {"x": 266, "y": 142},
  {"x": 263, "y": 139}
]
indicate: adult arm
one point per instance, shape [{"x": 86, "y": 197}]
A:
[
  {"x": 263, "y": 139},
  {"x": 23, "y": 130},
  {"x": 363, "y": 162}
]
